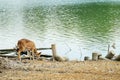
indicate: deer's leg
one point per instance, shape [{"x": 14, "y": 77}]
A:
[
  {"x": 33, "y": 54},
  {"x": 19, "y": 56},
  {"x": 29, "y": 54}
]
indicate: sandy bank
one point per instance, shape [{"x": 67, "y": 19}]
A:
[{"x": 48, "y": 70}]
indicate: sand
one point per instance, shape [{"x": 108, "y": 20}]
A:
[{"x": 48, "y": 70}]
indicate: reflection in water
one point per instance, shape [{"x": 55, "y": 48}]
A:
[{"x": 81, "y": 27}]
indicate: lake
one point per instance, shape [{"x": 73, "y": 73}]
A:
[{"x": 77, "y": 29}]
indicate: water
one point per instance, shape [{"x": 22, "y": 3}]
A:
[{"x": 74, "y": 27}]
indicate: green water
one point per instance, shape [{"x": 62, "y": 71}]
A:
[{"x": 75, "y": 28}]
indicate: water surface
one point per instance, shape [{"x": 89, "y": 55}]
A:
[{"x": 75, "y": 28}]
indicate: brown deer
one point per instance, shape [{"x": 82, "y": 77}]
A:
[{"x": 27, "y": 45}]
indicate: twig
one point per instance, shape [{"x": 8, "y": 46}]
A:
[
  {"x": 80, "y": 53},
  {"x": 108, "y": 48},
  {"x": 69, "y": 49}
]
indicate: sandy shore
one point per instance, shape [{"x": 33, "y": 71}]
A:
[{"x": 48, "y": 70}]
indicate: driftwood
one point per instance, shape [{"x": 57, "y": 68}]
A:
[
  {"x": 10, "y": 50},
  {"x": 53, "y": 51},
  {"x": 86, "y": 58},
  {"x": 11, "y": 54},
  {"x": 60, "y": 59},
  {"x": 117, "y": 58},
  {"x": 95, "y": 56},
  {"x": 54, "y": 55},
  {"x": 110, "y": 54},
  {"x": 23, "y": 56},
  {"x": 7, "y": 52},
  {"x": 102, "y": 58}
]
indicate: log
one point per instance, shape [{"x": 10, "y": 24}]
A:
[
  {"x": 60, "y": 59},
  {"x": 10, "y": 55},
  {"x": 99, "y": 56},
  {"x": 53, "y": 51},
  {"x": 86, "y": 58},
  {"x": 43, "y": 48},
  {"x": 110, "y": 55},
  {"x": 7, "y": 49},
  {"x": 45, "y": 55},
  {"x": 95, "y": 56},
  {"x": 102, "y": 58},
  {"x": 14, "y": 56},
  {"x": 2, "y": 50},
  {"x": 117, "y": 58}
]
